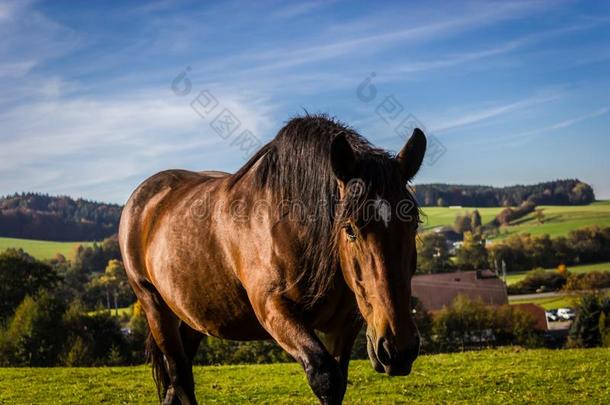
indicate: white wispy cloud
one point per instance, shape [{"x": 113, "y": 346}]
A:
[
  {"x": 16, "y": 69},
  {"x": 91, "y": 141},
  {"x": 475, "y": 116},
  {"x": 299, "y": 9},
  {"x": 526, "y": 135},
  {"x": 323, "y": 47}
]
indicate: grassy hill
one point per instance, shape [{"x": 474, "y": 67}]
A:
[
  {"x": 42, "y": 249},
  {"x": 509, "y": 375},
  {"x": 559, "y": 220}
]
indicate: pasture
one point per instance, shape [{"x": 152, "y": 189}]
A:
[
  {"x": 558, "y": 301},
  {"x": 558, "y": 220},
  {"x": 507, "y": 375},
  {"x": 42, "y": 249}
]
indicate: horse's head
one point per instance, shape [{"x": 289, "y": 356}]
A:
[{"x": 377, "y": 254}]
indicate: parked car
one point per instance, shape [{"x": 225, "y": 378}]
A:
[
  {"x": 566, "y": 314},
  {"x": 551, "y": 315}
]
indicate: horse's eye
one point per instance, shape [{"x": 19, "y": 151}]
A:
[{"x": 349, "y": 231}]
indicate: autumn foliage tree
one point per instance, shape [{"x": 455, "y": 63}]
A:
[{"x": 472, "y": 255}]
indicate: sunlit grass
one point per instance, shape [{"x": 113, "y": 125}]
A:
[
  {"x": 42, "y": 249},
  {"x": 509, "y": 375}
]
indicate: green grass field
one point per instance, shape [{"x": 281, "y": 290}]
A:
[
  {"x": 444, "y": 216},
  {"x": 563, "y": 301},
  {"x": 559, "y": 220},
  {"x": 509, "y": 375},
  {"x": 42, "y": 249},
  {"x": 122, "y": 311}
]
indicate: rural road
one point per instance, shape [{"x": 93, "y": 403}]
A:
[
  {"x": 551, "y": 294},
  {"x": 521, "y": 297}
]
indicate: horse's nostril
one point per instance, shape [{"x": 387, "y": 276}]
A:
[
  {"x": 386, "y": 346},
  {"x": 383, "y": 351}
]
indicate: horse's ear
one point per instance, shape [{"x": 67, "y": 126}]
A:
[
  {"x": 342, "y": 158},
  {"x": 411, "y": 156}
]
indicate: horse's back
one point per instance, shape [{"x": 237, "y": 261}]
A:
[
  {"x": 168, "y": 247},
  {"x": 146, "y": 200}
]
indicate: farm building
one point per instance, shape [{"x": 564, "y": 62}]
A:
[{"x": 438, "y": 290}]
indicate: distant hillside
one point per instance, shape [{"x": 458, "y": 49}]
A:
[
  {"x": 558, "y": 192},
  {"x": 43, "y": 217},
  {"x": 556, "y": 221}
]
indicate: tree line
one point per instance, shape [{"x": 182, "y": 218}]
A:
[
  {"x": 61, "y": 218},
  {"x": 40, "y": 216},
  {"x": 558, "y": 192},
  {"x": 64, "y": 312},
  {"x": 49, "y": 320},
  {"x": 518, "y": 252}
]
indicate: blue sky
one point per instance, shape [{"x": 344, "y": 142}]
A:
[{"x": 512, "y": 92}]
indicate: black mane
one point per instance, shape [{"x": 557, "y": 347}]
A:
[{"x": 296, "y": 166}]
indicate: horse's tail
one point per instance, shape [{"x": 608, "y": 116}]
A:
[{"x": 160, "y": 374}]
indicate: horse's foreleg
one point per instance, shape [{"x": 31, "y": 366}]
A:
[
  {"x": 323, "y": 371},
  {"x": 340, "y": 343}
]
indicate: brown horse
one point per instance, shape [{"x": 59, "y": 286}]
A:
[{"x": 315, "y": 230}]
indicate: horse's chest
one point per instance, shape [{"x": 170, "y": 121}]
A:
[{"x": 335, "y": 312}]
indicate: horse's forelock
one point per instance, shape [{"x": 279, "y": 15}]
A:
[{"x": 295, "y": 166}]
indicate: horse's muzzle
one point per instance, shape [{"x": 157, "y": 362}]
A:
[{"x": 386, "y": 359}]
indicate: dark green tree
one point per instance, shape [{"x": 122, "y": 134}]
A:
[
  {"x": 585, "y": 331},
  {"x": 35, "y": 334},
  {"x": 432, "y": 253},
  {"x": 21, "y": 275},
  {"x": 462, "y": 223},
  {"x": 475, "y": 220}
]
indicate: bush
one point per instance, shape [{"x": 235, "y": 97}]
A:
[
  {"x": 34, "y": 335},
  {"x": 473, "y": 324},
  {"x": 593, "y": 280},
  {"x": 604, "y": 327},
  {"x": 93, "y": 337},
  {"x": 539, "y": 279},
  {"x": 219, "y": 351},
  {"x": 587, "y": 330},
  {"x": 78, "y": 354}
]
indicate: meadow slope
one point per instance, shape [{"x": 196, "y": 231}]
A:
[
  {"x": 42, "y": 249},
  {"x": 558, "y": 220},
  {"x": 509, "y": 375}
]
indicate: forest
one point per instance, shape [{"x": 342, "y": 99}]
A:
[
  {"x": 558, "y": 192},
  {"x": 44, "y": 217}
]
